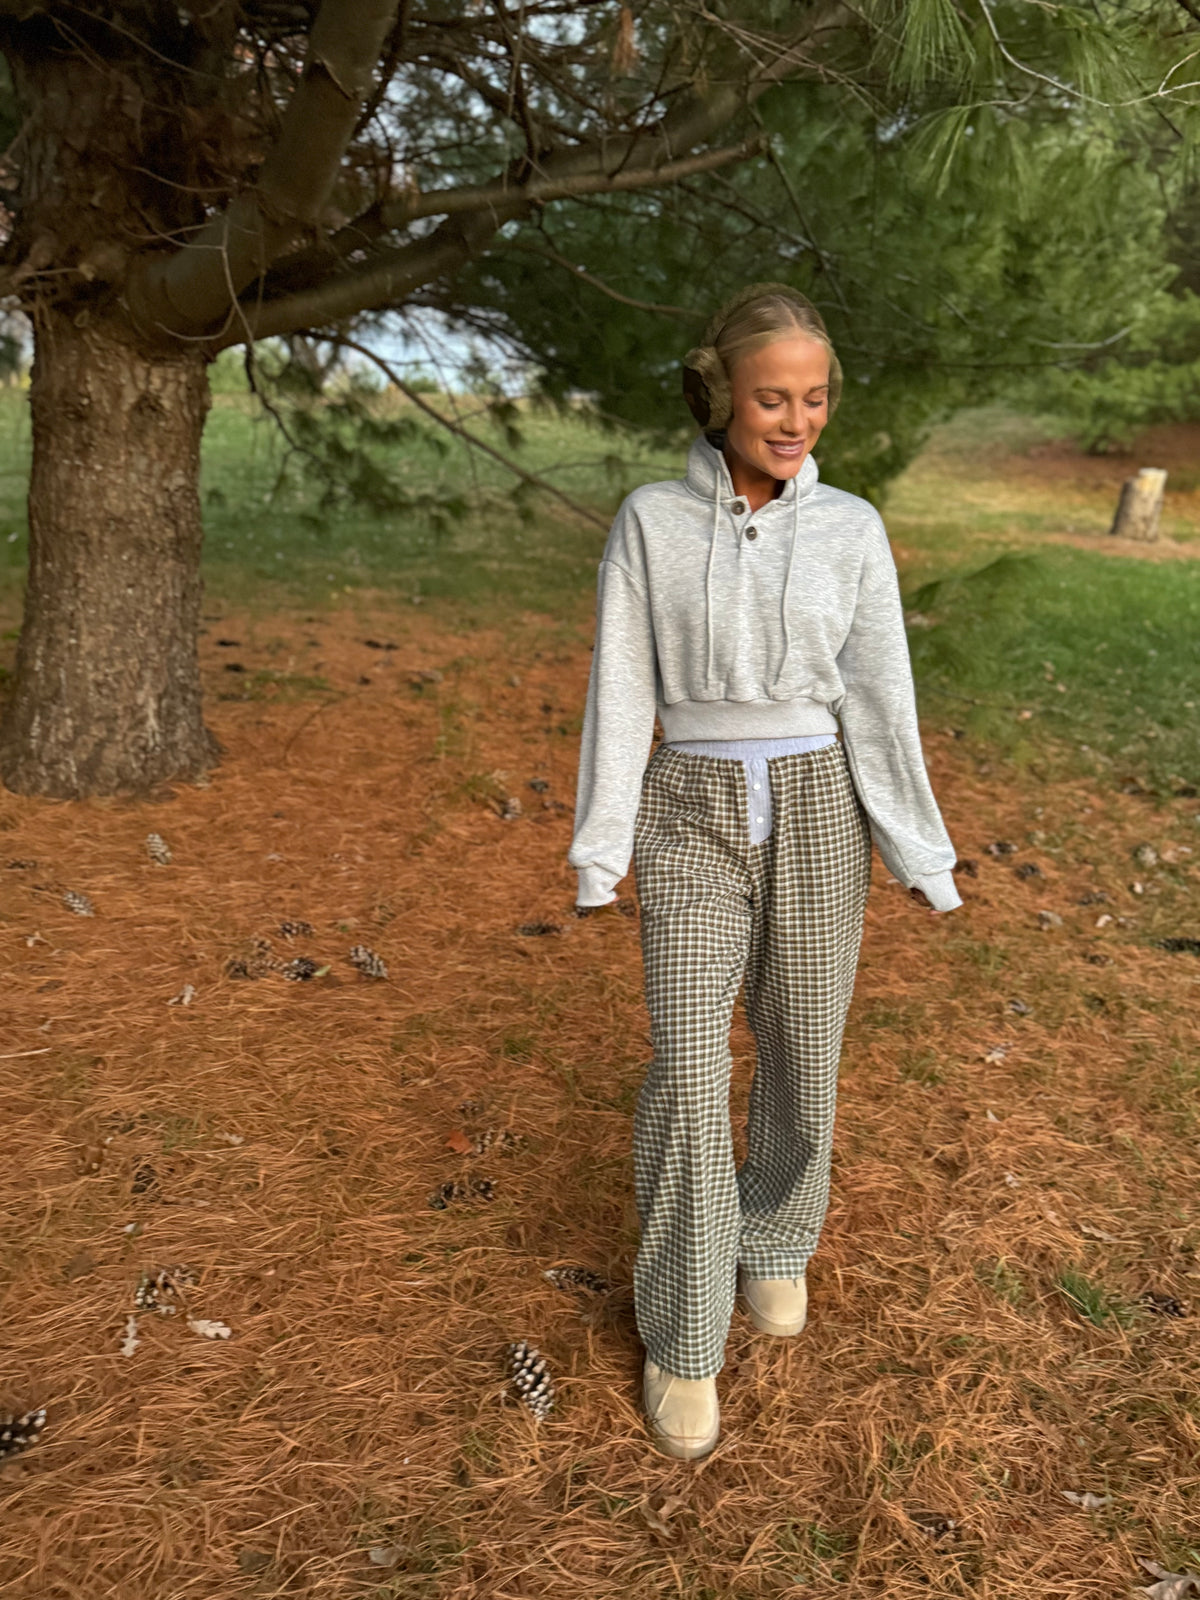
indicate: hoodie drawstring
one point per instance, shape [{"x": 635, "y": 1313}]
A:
[
  {"x": 712, "y": 550},
  {"x": 787, "y": 584}
]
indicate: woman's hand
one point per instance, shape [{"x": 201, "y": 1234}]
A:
[{"x": 922, "y": 899}]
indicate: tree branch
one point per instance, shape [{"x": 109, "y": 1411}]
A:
[
  {"x": 476, "y": 443},
  {"x": 600, "y": 164},
  {"x": 200, "y": 283},
  {"x": 472, "y": 215},
  {"x": 607, "y": 177},
  {"x": 394, "y": 275},
  {"x": 549, "y": 253}
]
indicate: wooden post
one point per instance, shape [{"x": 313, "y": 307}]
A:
[{"x": 1140, "y": 505}]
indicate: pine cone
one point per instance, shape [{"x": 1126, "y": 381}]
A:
[
  {"x": 78, "y": 903},
  {"x": 455, "y": 1189},
  {"x": 296, "y": 930},
  {"x": 367, "y": 962},
  {"x": 19, "y": 1432},
  {"x": 158, "y": 1291},
  {"x": 301, "y": 969},
  {"x": 501, "y": 1140},
  {"x": 157, "y": 849},
  {"x": 531, "y": 1378},
  {"x": 569, "y": 1278},
  {"x": 445, "y": 1194},
  {"x": 259, "y": 960}
]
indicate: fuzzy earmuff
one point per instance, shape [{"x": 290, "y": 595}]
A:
[
  {"x": 705, "y": 380},
  {"x": 706, "y": 387}
]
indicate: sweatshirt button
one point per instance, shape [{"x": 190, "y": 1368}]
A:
[
  {"x": 738, "y": 507},
  {"x": 752, "y": 533}
]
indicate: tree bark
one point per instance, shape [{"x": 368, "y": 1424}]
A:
[{"x": 107, "y": 695}]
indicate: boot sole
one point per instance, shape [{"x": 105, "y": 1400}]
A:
[
  {"x": 683, "y": 1450},
  {"x": 777, "y": 1330}
]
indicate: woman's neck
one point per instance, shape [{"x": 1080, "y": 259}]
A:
[{"x": 750, "y": 482}]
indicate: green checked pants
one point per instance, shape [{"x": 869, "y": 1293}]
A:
[{"x": 784, "y": 917}]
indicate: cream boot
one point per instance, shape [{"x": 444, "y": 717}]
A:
[
  {"x": 775, "y": 1305},
  {"x": 683, "y": 1414}
]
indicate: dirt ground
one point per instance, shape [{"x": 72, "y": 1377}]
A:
[{"x": 1016, "y": 1168}]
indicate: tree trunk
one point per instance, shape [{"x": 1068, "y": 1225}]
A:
[
  {"x": 1140, "y": 505},
  {"x": 107, "y": 695}
]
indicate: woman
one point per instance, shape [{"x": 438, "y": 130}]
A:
[{"x": 756, "y": 612}]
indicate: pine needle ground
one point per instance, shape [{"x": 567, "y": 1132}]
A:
[{"x": 1017, "y": 1164}]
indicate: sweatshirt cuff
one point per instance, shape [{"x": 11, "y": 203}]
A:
[
  {"x": 597, "y": 887},
  {"x": 940, "y": 890}
]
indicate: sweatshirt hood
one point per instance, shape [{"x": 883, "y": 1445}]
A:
[{"x": 708, "y": 474}]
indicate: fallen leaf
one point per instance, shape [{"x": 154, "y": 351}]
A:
[
  {"x": 209, "y": 1330},
  {"x": 384, "y": 1555},
  {"x": 1012, "y": 1180},
  {"x": 80, "y": 1264},
  {"x": 996, "y": 1055},
  {"x": 1171, "y": 1585},
  {"x": 658, "y": 1509},
  {"x": 992, "y": 1117},
  {"x": 254, "y": 1560},
  {"x": 229, "y": 1138},
  {"x": 1087, "y": 1501},
  {"x": 1049, "y": 919},
  {"x": 1103, "y": 921},
  {"x": 461, "y": 1142}
]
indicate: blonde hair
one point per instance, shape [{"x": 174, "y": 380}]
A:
[{"x": 754, "y": 318}]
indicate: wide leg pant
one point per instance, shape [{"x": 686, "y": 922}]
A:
[{"x": 786, "y": 917}]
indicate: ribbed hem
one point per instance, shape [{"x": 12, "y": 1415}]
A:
[
  {"x": 940, "y": 890},
  {"x": 744, "y": 719},
  {"x": 597, "y": 887}
]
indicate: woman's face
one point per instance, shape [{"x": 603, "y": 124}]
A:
[{"x": 780, "y": 405}]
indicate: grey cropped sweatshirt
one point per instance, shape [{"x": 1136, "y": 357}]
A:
[{"x": 733, "y": 624}]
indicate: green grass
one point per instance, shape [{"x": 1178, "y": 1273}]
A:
[
  {"x": 269, "y": 541},
  {"x": 1003, "y": 618},
  {"x": 1092, "y": 1301},
  {"x": 1121, "y": 638}
]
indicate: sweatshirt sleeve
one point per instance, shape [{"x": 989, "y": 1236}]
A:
[
  {"x": 879, "y": 731},
  {"x": 618, "y": 728}
]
